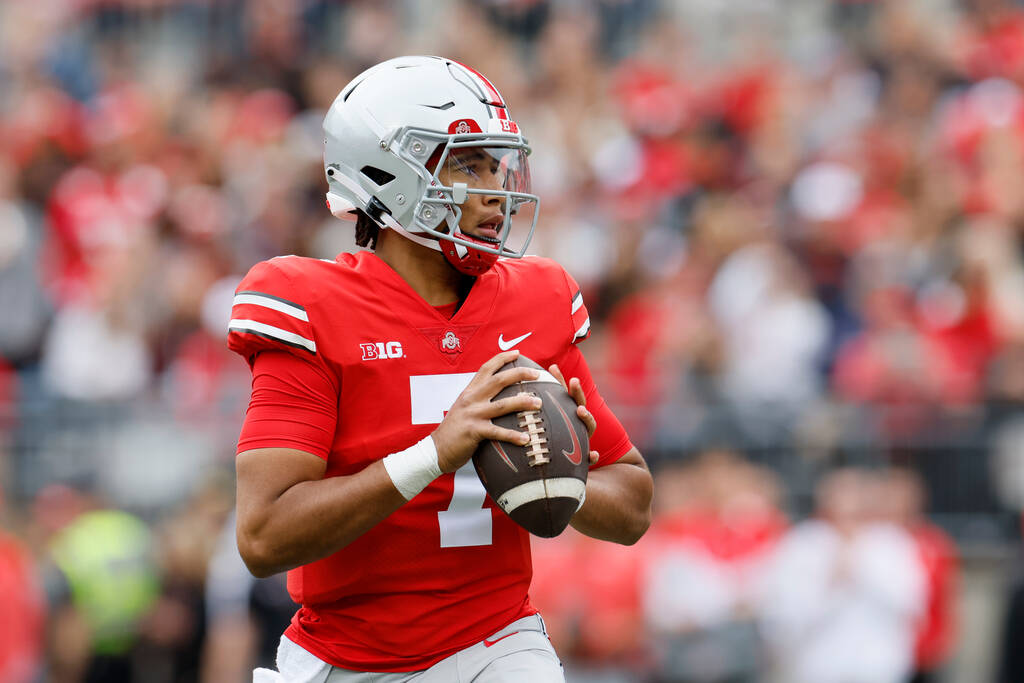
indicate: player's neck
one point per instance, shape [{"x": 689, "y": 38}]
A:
[{"x": 425, "y": 270}]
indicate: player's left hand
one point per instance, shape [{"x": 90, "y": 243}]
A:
[{"x": 575, "y": 389}]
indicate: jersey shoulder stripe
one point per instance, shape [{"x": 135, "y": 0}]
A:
[
  {"x": 271, "y": 301},
  {"x": 577, "y": 301},
  {"x": 582, "y": 332},
  {"x": 265, "y": 331},
  {"x": 580, "y": 316},
  {"x": 271, "y": 309},
  {"x": 536, "y": 272}
]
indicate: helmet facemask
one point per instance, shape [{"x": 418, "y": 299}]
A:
[{"x": 456, "y": 167}]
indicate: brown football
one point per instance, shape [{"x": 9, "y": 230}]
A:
[{"x": 540, "y": 485}]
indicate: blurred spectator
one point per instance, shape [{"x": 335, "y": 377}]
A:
[
  {"x": 102, "y": 582},
  {"x": 173, "y": 629},
  {"x": 775, "y": 336},
  {"x": 717, "y": 521},
  {"x": 96, "y": 349},
  {"x": 26, "y": 306},
  {"x": 22, "y": 613},
  {"x": 1010, "y": 653},
  {"x": 245, "y": 615},
  {"x": 203, "y": 377},
  {"x": 891, "y": 363},
  {"x": 1005, "y": 415},
  {"x": 900, "y": 500},
  {"x": 843, "y": 595}
]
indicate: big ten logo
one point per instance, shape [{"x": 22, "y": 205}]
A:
[
  {"x": 380, "y": 350},
  {"x": 508, "y": 126}
]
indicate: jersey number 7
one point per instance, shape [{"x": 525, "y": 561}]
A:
[{"x": 466, "y": 522}]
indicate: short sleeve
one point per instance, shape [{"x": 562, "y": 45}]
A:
[
  {"x": 294, "y": 398},
  {"x": 268, "y": 314},
  {"x": 294, "y": 404}
]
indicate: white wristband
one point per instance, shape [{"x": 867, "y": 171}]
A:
[{"x": 414, "y": 468}]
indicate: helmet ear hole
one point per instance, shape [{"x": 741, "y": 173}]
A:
[{"x": 379, "y": 176}]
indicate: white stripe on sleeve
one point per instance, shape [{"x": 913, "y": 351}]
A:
[
  {"x": 271, "y": 302},
  {"x": 582, "y": 332},
  {"x": 577, "y": 302},
  {"x": 257, "y": 327}
]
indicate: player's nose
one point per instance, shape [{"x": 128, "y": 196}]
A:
[{"x": 491, "y": 199}]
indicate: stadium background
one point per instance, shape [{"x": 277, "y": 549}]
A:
[{"x": 798, "y": 225}]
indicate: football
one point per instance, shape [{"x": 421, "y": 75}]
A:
[{"x": 539, "y": 485}]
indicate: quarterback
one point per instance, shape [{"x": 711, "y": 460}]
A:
[{"x": 373, "y": 376}]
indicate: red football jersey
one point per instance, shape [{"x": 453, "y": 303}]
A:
[{"x": 448, "y": 568}]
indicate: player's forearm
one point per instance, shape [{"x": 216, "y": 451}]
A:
[
  {"x": 618, "y": 504},
  {"x": 313, "y": 519}
]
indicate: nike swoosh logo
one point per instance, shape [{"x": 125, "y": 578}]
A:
[
  {"x": 575, "y": 456},
  {"x": 506, "y": 345},
  {"x": 504, "y": 455},
  {"x": 488, "y": 643}
]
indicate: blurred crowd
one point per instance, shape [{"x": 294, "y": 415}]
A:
[
  {"x": 798, "y": 225},
  {"x": 724, "y": 588}
]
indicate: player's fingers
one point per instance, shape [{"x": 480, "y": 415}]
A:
[
  {"x": 588, "y": 419},
  {"x": 496, "y": 433},
  {"x": 506, "y": 378},
  {"x": 492, "y": 364},
  {"x": 512, "y": 404},
  {"x": 576, "y": 391},
  {"x": 557, "y": 373},
  {"x": 594, "y": 457},
  {"x": 484, "y": 377}
]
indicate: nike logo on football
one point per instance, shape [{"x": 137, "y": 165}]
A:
[
  {"x": 575, "y": 456},
  {"x": 506, "y": 345},
  {"x": 488, "y": 643}
]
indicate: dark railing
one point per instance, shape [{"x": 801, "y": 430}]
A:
[{"x": 145, "y": 457}]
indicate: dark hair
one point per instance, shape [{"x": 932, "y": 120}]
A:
[{"x": 367, "y": 230}]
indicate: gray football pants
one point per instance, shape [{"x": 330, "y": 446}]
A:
[{"x": 519, "y": 652}]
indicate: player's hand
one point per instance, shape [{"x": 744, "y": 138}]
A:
[
  {"x": 575, "y": 389},
  {"x": 468, "y": 422}
]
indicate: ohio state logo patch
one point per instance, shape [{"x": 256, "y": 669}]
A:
[
  {"x": 450, "y": 343},
  {"x": 463, "y": 126}
]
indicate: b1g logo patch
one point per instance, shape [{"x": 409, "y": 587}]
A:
[
  {"x": 382, "y": 350},
  {"x": 502, "y": 126}
]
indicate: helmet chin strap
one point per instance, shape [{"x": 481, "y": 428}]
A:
[{"x": 466, "y": 260}]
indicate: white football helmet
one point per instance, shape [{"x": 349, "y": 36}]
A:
[{"x": 399, "y": 117}]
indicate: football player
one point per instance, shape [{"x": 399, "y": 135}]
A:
[{"x": 373, "y": 376}]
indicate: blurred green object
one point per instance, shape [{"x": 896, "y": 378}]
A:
[{"x": 106, "y": 558}]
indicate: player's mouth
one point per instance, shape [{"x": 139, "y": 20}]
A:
[{"x": 489, "y": 230}]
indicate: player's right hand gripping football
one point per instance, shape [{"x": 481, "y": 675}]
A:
[{"x": 468, "y": 421}]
